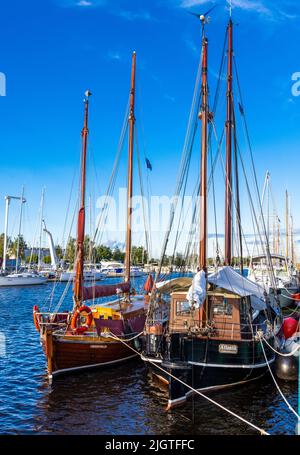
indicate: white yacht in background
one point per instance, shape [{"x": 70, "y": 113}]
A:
[
  {"x": 18, "y": 278},
  {"x": 89, "y": 275},
  {"x": 286, "y": 282},
  {"x": 112, "y": 269},
  {"x": 117, "y": 269},
  {"x": 136, "y": 271},
  {"x": 22, "y": 279}
]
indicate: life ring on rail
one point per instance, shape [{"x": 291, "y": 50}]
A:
[
  {"x": 36, "y": 317},
  {"x": 84, "y": 327}
]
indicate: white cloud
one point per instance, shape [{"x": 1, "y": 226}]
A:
[
  {"x": 84, "y": 3},
  {"x": 191, "y": 45},
  {"x": 250, "y": 5},
  {"x": 170, "y": 98},
  {"x": 114, "y": 55},
  {"x": 257, "y": 6},
  {"x": 190, "y": 3},
  {"x": 81, "y": 3},
  {"x": 265, "y": 8},
  {"x": 131, "y": 15}
]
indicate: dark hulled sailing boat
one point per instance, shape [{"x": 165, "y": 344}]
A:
[
  {"x": 91, "y": 336},
  {"x": 211, "y": 337}
]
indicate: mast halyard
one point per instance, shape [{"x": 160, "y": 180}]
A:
[
  {"x": 78, "y": 283},
  {"x": 237, "y": 195},
  {"x": 228, "y": 176},
  {"x": 131, "y": 121},
  {"x": 204, "y": 117}
]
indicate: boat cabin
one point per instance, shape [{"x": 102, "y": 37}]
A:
[{"x": 223, "y": 312}]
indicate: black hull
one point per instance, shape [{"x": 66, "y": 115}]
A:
[{"x": 198, "y": 364}]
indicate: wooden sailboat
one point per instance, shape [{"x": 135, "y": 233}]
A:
[
  {"x": 91, "y": 336},
  {"x": 211, "y": 337}
]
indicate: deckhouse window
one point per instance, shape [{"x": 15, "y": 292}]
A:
[
  {"x": 221, "y": 307},
  {"x": 182, "y": 307}
]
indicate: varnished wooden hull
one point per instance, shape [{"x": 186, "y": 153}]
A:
[{"x": 69, "y": 355}]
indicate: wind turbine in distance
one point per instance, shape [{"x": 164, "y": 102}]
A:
[{"x": 203, "y": 17}]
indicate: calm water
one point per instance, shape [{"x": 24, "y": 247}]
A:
[{"x": 122, "y": 400}]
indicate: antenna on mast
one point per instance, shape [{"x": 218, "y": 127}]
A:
[{"x": 230, "y": 7}]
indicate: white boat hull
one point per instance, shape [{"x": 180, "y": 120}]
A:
[
  {"x": 88, "y": 276},
  {"x": 22, "y": 280}
]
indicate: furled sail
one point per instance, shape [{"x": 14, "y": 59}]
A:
[
  {"x": 94, "y": 292},
  {"x": 197, "y": 292},
  {"x": 148, "y": 286}
]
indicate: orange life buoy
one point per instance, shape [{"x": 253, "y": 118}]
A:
[
  {"x": 36, "y": 317},
  {"x": 83, "y": 328},
  {"x": 156, "y": 329}
]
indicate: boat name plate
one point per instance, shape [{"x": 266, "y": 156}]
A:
[{"x": 228, "y": 348}]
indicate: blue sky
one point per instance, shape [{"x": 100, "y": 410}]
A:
[{"x": 51, "y": 51}]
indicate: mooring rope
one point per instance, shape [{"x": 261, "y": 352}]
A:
[
  {"x": 280, "y": 353},
  {"x": 276, "y": 384},
  {"x": 260, "y": 430}
]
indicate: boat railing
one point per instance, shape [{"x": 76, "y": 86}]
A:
[
  {"x": 45, "y": 318},
  {"x": 220, "y": 328},
  {"x": 234, "y": 330}
]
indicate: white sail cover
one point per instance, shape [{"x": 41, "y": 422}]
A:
[
  {"x": 197, "y": 292},
  {"x": 227, "y": 278}
]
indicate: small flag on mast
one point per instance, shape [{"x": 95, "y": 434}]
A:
[{"x": 148, "y": 164}]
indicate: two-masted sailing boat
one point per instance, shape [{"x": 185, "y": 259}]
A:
[
  {"x": 91, "y": 336},
  {"x": 211, "y": 338}
]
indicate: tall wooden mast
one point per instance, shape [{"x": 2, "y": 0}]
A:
[
  {"x": 78, "y": 283},
  {"x": 228, "y": 176},
  {"x": 130, "y": 169},
  {"x": 204, "y": 116}
]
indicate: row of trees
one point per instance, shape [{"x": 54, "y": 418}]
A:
[
  {"x": 97, "y": 254},
  {"x": 12, "y": 246},
  {"x": 94, "y": 253}
]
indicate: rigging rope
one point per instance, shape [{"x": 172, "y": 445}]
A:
[
  {"x": 184, "y": 164},
  {"x": 282, "y": 354},
  {"x": 242, "y": 112},
  {"x": 260, "y": 430},
  {"x": 111, "y": 185},
  {"x": 276, "y": 384}
]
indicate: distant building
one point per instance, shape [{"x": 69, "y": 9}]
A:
[{"x": 35, "y": 251}]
